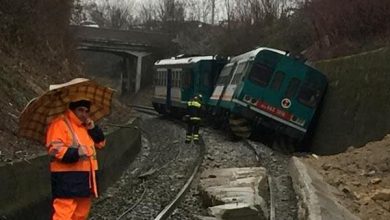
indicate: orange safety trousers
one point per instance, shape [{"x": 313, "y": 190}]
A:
[{"x": 71, "y": 208}]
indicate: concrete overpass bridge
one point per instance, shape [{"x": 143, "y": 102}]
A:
[{"x": 131, "y": 45}]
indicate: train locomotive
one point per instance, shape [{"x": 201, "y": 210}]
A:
[{"x": 261, "y": 91}]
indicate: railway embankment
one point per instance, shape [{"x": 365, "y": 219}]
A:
[
  {"x": 25, "y": 186},
  {"x": 356, "y": 108}
]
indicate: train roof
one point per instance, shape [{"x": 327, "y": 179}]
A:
[
  {"x": 253, "y": 53},
  {"x": 186, "y": 60}
]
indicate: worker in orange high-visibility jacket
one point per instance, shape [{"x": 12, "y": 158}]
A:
[{"x": 71, "y": 141}]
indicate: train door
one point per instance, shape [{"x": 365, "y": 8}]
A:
[
  {"x": 285, "y": 86},
  {"x": 229, "y": 90},
  {"x": 168, "y": 88},
  {"x": 225, "y": 98},
  {"x": 160, "y": 91},
  {"x": 223, "y": 79},
  {"x": 235, "y": 84},
  {"x": 175, "y": 85},
  {"x": 186, "y": 84},
  {"x": 206, "y": 84}
]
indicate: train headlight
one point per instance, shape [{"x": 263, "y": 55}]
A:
[
  {"x": 253, "y": 101},
  {"x": 247, "y": 98}
]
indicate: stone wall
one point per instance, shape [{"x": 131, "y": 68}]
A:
[{"x": 356, "y": 108}]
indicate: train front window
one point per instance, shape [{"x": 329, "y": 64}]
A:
[
  {"x": 292, "y": 88},
  {"x": 309, "y": 95},
  {"x": 277, "y": 82},
  {"x": 260, "y": 74}
]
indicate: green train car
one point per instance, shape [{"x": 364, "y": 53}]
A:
[
  {"x": 268, "y": 90},
  {"x": 178, "y": 79}
]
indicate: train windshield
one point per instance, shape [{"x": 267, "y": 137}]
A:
[
  {"x": 309, "y": 94},
  {"x": 260, "y": 74}
]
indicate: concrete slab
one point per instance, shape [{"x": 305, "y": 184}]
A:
[
  {"x": 246, "y": 186},
  {"x": 237, "y": 172},
  {"x": 198, "y": 217},
  {"x": 316, "y": 197},
  {"x": 236, "y": 211}
]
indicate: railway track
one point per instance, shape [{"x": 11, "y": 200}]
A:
[
  {"x": 223, "y": 153},
  {"x": 181, "y": 201},
  {"x": 154, "y": 184},
  {"x": 175, "y": 201},
  {"x": 283, "y": 203},
  {"x": 145, "y": 109},
  {"x": 166, "y": 212}
]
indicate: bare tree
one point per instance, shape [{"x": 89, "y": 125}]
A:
[
  {"x": 116, "y": 14},
  {"x": 229, "y": 7},
  {"x": 199, "y": 10},
  {"x": 212, "y": 11},
  {"x": 77, "y": 12},
  {"x": 148, "y": 15}
]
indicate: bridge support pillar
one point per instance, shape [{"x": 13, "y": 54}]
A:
[
  {"x": 138, "y": 75},
  {"x": 126, "y": 77},
  {"x": 132, "y": 72}
]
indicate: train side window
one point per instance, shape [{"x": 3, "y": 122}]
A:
[
  {"x": 278, "y": 79},
  {"x": 159, "y": 78},
  {"x": 179, "y": 73},
  {"x": 292, "y": 87},
  {"x": 260, "y": 74},
  {"x": 164, "y": 78},
  {"x": 177, "y": 78},
  {"x": 174, "y": 81}
]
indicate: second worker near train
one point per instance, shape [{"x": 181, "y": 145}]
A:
[{"x": 194, "y": 108}]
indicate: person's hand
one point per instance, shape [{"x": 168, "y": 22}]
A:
[
  {"x": 89, "y": 124},
  {"x": 83, "y": 153}
]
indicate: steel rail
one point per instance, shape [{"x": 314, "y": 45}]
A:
[{"x": 167, "y": 211}]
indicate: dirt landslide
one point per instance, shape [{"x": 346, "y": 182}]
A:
[{"x": 362, "y": 176}]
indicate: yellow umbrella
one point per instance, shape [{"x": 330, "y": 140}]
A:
[{"x": 41, "y": 110}]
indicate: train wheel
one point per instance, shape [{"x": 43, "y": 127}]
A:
[{"x": 241, "y": 127}]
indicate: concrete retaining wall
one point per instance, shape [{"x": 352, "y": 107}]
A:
[
  {"x": 316, "y": 197},
  {"x": 25, "y": 186},
  {"x": 356, "y": 108}
]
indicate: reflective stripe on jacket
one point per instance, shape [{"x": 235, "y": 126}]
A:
[
  {"x": 59, "y": 141},
  {"x": 194, "y": 109}
]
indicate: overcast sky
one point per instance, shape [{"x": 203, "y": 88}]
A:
[{"x": 135, "y": 5}]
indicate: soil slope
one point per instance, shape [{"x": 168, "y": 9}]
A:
[{"x": 363, "y": 177}]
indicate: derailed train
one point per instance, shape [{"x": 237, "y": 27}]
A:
[{"x": 262, "y": 91}]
